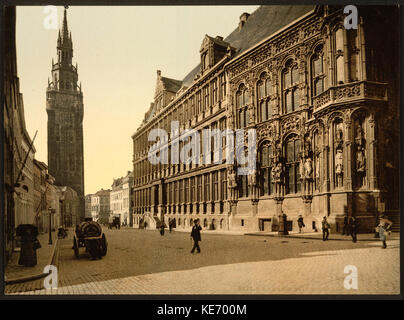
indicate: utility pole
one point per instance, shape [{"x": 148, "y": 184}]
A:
[{"x": 50, "y": 225}]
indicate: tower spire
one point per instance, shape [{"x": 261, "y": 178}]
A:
[{"x": 65, "y": 30}]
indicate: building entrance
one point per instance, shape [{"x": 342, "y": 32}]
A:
[{"x": 265, "y": 224}]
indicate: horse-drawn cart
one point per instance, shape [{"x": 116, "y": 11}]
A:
[{"x": 89, "y": 235}]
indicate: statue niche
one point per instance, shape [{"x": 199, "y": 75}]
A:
[{"x": 360, "y": 155}]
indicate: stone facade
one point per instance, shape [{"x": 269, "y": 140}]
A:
[
  {"x": 88, "y": 205},
  {"x": 100, "y": 210},
  {"x": 18, "y": 149},
  {"x": 324, "y": 101},
  {"x": 69, "y": 201},
  {"x": 121, "y": 198},
  {"x": 64, "y": 106}
]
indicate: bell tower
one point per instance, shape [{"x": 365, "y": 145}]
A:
[{"x": 64, "y": 106}]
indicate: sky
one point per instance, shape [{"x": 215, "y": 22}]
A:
[{"x": 118, "y": 51}]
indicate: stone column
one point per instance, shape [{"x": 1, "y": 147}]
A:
[
  {"x": 372, "y": 153},
  {"x": 348, "y": 156},
  {"x": 362, "y": 47}
]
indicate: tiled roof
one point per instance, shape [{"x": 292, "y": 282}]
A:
[
  {"x": 171, "y": 85},
  {"x": 262, "y": 23}
]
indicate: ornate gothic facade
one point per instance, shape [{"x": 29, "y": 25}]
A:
[
  {"x": 64, "y": 105},
  {"x": 324, "y": 101}
]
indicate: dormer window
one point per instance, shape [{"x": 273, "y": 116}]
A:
[{"x": 205, "y": 61}]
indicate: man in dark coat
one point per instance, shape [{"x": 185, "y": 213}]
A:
[
  {"x": 326, "y": 226},
  {"x": 353, "y": 228},
  {"x": 196, "y": 236}
]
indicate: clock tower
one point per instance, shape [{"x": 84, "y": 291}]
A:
[{"x": 64, "y": 106}]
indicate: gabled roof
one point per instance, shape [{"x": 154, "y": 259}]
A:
[
  {"x": 171, "y": 85},
  {"x": 261, "y": 24}
]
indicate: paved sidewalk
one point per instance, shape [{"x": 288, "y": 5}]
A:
[
  {"x": 319, "y": 236},
  {"x": 378, "y": 272},
  {"x": 27, "y": 277}
]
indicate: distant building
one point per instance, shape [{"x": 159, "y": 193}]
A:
[
  {"x": 121, "y": 198},
  {"x": 100, "y": 210},
  {"x": 40, "y": 185},
  {"x": 69, "y": 206},
  {"x": 88, "y": 205}
]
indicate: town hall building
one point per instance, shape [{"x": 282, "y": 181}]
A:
[{"x": 324, "y": 103}]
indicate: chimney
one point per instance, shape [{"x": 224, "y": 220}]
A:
[
  {"x": 243, "y": 20},
  {"x": 159, "y": 73}
]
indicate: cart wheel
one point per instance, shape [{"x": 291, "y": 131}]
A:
[
  {"x": 104, "y": 245},
  {"x": 76, "y": 247}
]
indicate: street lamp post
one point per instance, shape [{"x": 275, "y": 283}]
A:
[{"x": 50, "y": 210}]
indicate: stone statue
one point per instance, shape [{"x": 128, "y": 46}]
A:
[
  {"x": 308, "y": 168},
  {"x": 277, "y": 173},
  {"x": 232, "y": 179},
  {"x": 360, "y": 160},
  {"x": 339, "y": 162},
  {"x": 339, "y": 167},
  {"x": 252, "y": 177}
]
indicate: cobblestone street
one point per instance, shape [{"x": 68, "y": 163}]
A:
[{"x": 143, "y": 262}]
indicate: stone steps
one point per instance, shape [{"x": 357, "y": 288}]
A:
[{"x": 395, "y": 218}]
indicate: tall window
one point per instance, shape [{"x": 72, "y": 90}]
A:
[
  {"x": 265, "y": 170},
  {"x": 242, "y": 107},
  {"x": 206, "y": 103},
  {"x": 215, "y": 186},
  {"x": 207, "y": 187},
  {"x": 199, "y": 97},
  {"x": 243, "y": 179},
  {"x": 292, "y": 165},
  {"x": 339, "y": 55},
  {"x": 192, "y": 196},
  {"x": 222, "y": 86},
  {"x": 317, "y": 72},
  {"x": 223, "y": 191},
  {"x": 264, "y": 90},
  {"x": 186, "y": 190},
  {"x": 199, "y": 193},
  {"x": 290, "y": 87},
  {"x": 214, "y": 91},
  {"x": 192, "y": 102}
]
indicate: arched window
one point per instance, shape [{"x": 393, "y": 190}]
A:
[
  {"x": 292, "y": 165},
  {"x": 242, "y": 97},
  {"x": 317, "y": 72},
  {"x": 264, "y": 90},
  {"x": 243, "y": 178},
  {"x": 265, "y": 170},
  {"x": 290, "y": 83}
]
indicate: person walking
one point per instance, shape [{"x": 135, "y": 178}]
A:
[
  {"x": 326, "y": 226},
  {"x": 170, "y": 224},
  {"x": 345, "y": 226},
  {"x": 196, "y": 236},
  {"x": 353, "y": 228},
  {"x": 162, "y": 229},
  {"x": 300, "y": 223},
  {"x": 384, "y": 227}
]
